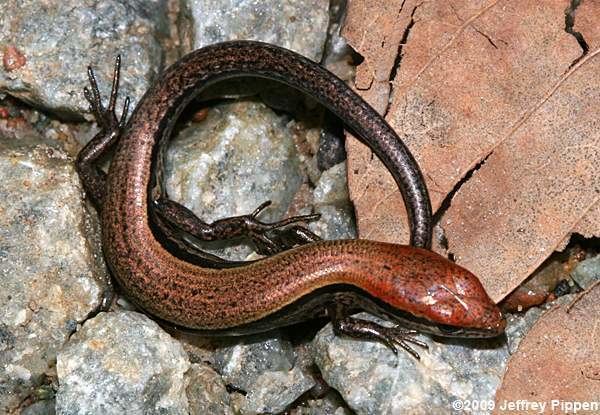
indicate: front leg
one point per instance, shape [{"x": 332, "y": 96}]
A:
[
  {"x": 368, "y": 330},
  {"x": 92, "y": 177},
  {"x": 269, "y": 238},
  {"x": 178, "y": 242}
]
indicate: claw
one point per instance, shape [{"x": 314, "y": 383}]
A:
[
  {"x": 94, "y": 179},
  {"x": 106, "y": 117},
  {"x": 94, "y": 100},
  {"x": 363, "y": 329},
  {"x": 417, "y": 342},
  {"x": 271, "y": 238},
  {"x": 401, "y": 337},
  {"x": 260, "y": 208},
  {"x": 284, "y": 222},
  {"x": 268, "y": 238},
  {"x": 409, "y": 349},
  {"x": 294, "y": 219},
  {"x": 115, "y": 84},
  {"x": 124, "y": 113}
]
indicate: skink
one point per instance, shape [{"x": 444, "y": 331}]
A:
[{"x": 409, "y": 285}]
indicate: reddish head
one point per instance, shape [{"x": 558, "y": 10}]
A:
[{"x": 447, "y": 299}]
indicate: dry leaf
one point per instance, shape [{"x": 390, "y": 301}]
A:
[
  {"x": 375, "y": 29},
  {"x": 534, "y": 188},
  {"x": 487, "y": 86},
  {"x": 559, "y": 359},
  {"x": 586, "y": 23},
  {"x": 589, "y": 225}
]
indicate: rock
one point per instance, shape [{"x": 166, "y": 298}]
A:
[
  {"x": 587, "y": 272},
  {"x": 264, "y": 368},
  {"x": 273, "y": 392},
  {"x": 242, "y": 363},
  {"x": 332, "y": 188},
  {"x": 271, "y": 172},
  {"x": 331, "y": 150},
  {"x": 335, "y": 222},
  {"x": 330, "y": 404},
  {"x": 338, "y": 54},
  {"x": 45, "y": 407},
  {"x": 121, "y": 362},
  {"x": 518, "y": 325},
  {"x": 372, "y": 380},
  {"x": 299, "y": 26},
  {"x": 206, "y": 392},
  {"x": 240, "y": 156},
  {"x": 50, "y": 274},
  {"x": 331, "y": 200},
  {"x": 56, "y": 46}
]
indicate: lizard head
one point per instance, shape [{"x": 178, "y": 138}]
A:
[{"x": 430, "y": 293}]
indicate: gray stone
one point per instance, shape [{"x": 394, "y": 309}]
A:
[
  {"x": 265, "y": 369},
  {"x": 269, "y": 172},
  {"x": 587, "y": 272},
  {"x": 273, "y": 392},
  {"x": 122, "y": 362},
  {"x": 206, "y": 392},
  {"x": 299, "y": 26},
  {"x": 61, "y": 38},
  {"x": 49, "y": 272},
  {"x": 331, "y": 200},
  {"x": 336, "y": 222},
  {"x": 331, "y": 147},
  {"x": 372, "y": 380},
  {"x": 330, "y": 404},
  {"x": 45, "y": 407},
  {"x": 332, "y": 188},
  {"x": 338, "y": 54},
  {"x": 519, "y": 324},
  {"x": 240, "y": 156},
  {"x": 242, "y": 363}
]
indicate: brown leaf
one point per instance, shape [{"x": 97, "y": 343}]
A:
[
  {"x": 586, "y": 23},
  {"x": 534, "y": 188},
  {"x": 589, "y": 225},
  {"x": 486, "y": 86},
  {"x": 375, "y": 28},
  {"x": 559, "y": 359}
]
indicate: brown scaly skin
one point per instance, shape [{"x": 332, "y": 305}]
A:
[{"x": 415, "y": 286}]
